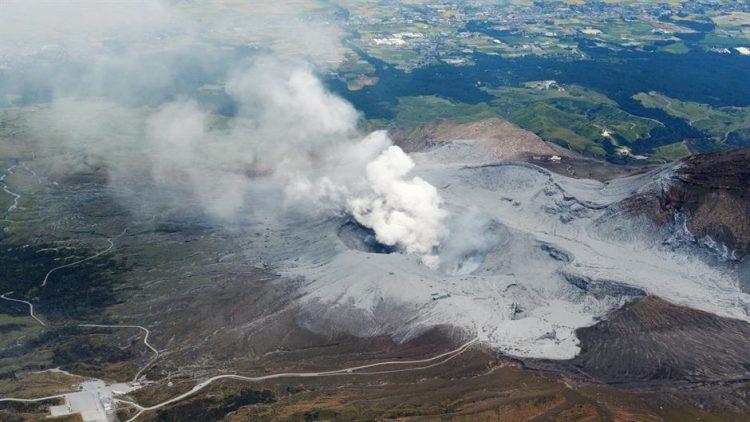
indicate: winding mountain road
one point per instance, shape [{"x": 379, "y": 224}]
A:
[
  {"x": 31, "y": 306},
  {"x": 145, "y": 342},
  {"x": 15, "y": 196},
  {"x": 103, "y": 251},
  {"x": 13, "y": 399},
  {"x": 46, "y": 278},
  {"x": 345, "y": 371}
]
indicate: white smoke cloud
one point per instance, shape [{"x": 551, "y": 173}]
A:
[
  {"x": 183, "y": 154},
  {"x": 333, "y": 177},
  {"x": 289, "y": 125},
  {"x": 402, "y": 212},
  {"x": 287, "y": 131},
  {"x": 471, "y": 236},
  {"x": 285, "y": 108},
  {"x": 145, "y": 52}
]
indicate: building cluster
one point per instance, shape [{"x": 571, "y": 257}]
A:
[{"x": 450, "y": 31}]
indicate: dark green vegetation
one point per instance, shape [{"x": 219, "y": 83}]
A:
[
  {"x": 572, "y": 116},
  {"x": 729, "y": 126},
  {"x": 101, "y": 353},
  {"x": 226, "y": 398},
  {"x": 607, "y": 77},
  {"x": 14, "y": 412},
  {"x": 598, "y": 95},
  {"x": 413, "y": 111},
  {"x": 80, "y": 292},
  {"x": 213, "y": 307},
  {"x": 87, "y": 352}
]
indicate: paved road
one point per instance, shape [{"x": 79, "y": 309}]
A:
[
  {"x": 346, "y": 371},
  {"x": 200, "y": 386},
  {"x": 31, "y": 307},
  {"x": 46, "y": 277},
  {"x": 145, "y": 341},
  {"x": 15, "y": 196},
  {"x": 7, "y": 399}
]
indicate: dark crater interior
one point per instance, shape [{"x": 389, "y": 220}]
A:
[{"x": 358, "y": 237}]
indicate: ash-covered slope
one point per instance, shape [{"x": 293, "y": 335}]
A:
[
  {"x": 707, "y": 200},
  {"x": 713, "y": 192},
  {"x": 531, "y": 257}
]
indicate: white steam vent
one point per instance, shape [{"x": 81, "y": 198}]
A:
[{"x": 402, "y": 212}]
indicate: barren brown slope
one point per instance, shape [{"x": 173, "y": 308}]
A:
[
  {"x": 508, "y": 142},
  {"x": 654, "y": 340},
  {"x": 477, "y": 385},
  {"x": 713, "y": 191}
]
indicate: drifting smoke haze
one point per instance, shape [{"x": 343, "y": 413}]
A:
[
  {"x": 471, "y": 237},
  {"x": 306, "y": 138},
  {"x": 134, "y": 113}
]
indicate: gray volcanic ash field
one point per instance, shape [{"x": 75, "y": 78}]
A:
[{"x": 529, "y": 257}]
